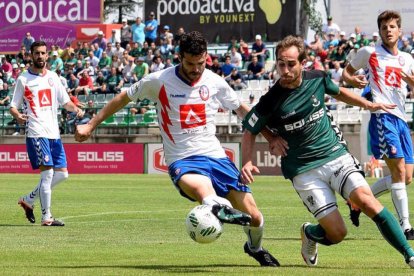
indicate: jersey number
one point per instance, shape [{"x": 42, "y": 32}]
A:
[
  {"x": 45, "y": 97},
  {"x": 393, "y": 76},
  {"x": 192, "y": 115}
]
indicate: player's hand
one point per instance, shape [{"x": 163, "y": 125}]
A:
[
  {"x": 408, "y": 78},
  {"x": 381, "y": 106},
  {"x": 247, "y": 172},
  {"x": 359, "y": 81},
  {"x": 22, "y": 119},
  {"x": 278, "y": 146},
  {"x": 83, "y": 132},
  {"x": 80, "y": 113}
]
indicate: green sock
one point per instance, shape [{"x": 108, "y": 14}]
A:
[
  {"x": 391, "y": 231},
  {"x": 316, "y": 233}
]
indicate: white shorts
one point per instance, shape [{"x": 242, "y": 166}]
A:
[{"x": 317, "y": 187}]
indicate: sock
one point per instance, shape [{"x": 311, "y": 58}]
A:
[
  {"x": 215, "y": 199},
  {"x": 400, "y": 201},
  {"x": 30, "y": 198},
  {"x": 381, "y": 186},
  {"x": 58, "y": 177},
  {"x": 316, "y": 233},
  {"x": 254, "y": 236},
  {"x": 391, "y": 231},
  {"x": 45, "y": 193}
]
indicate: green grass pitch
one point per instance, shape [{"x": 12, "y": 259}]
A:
[{"x": 135, "y": 225}]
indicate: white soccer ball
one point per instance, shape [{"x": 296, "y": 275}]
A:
[{"x": 202, "y": 225}]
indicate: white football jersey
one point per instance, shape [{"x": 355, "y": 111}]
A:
[
  {"x": 384, "y": 74},
  {"x": 40, "y": 96},
  {"x": 186, "y": 112}
]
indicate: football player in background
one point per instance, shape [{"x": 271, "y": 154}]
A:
[
  {"x": 389, "y": 72},
  {"x": 41, "y": 92},
  {"x": 188, "y": 97},
  {"x": 315, "y": 159}
]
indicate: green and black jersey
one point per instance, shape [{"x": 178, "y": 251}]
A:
[{"x": 299, "y": 116}]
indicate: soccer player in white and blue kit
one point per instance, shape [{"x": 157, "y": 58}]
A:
[
  {"x": 188, "y": 97},
  {"x": 41, "y": 92},
  {"x": 389, "y": 73}
]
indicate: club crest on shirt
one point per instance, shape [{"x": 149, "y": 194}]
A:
[
  {"x": 315, "y": 101},
  {"x": 46, "y": 158},
  {"x": 393, "y": 150},
  {"x": 50, "y": 80},
  {"x": 177, "y": 171},
  {"x": 204, "y": 93},
  {"x": 401, "y": 60}
]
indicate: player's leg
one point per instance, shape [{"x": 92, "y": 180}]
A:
[
  {"x": 245, "y": 202},
  {"x": 385, "y": 221},
  {"x": 60, "y": 165}
]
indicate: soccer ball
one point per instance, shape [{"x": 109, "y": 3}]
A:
[{"x": 202, "y": 225}]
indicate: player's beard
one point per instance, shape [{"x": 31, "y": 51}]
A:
[
  {"x": 39, "y": 64},
  {"x": 191, "y": 76}
]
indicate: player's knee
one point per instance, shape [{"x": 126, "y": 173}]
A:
[
  {"x": 257, "y": 218},
  {"x": 337, "y": 235}
]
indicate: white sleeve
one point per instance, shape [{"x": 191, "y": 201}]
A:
[
  {"x": 18, "y": 94},
  {"x": 361, "y": 58},
  {"x": 147, "y": 88},
  {"x": 227, "y": 96},
  {"x": 62, "y": 95}
]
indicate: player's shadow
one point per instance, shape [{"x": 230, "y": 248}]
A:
[{"x": 17, "y": 225}]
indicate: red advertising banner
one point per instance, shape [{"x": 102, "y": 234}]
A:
[
  {"x": 82, "y": 158},
  {"x": 267, "y": 163}
]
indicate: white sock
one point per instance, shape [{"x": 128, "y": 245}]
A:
[
  {"x": 400, "y": 201},
  {"x": 254, "y": 236},
  {"x": 45, "y": 193},
  {"x": 215, "y": 199},
  {"x": 58, "y": 177},
  {"x": 381, "y": 186}
]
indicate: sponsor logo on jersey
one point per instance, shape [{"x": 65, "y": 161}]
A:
[
  {"x": 177, "y": 95},
  {"x": 253, "y": 120},
  {"x": 305, "y": 123},
  {"x": 45, "y": 97},
  {"x": 393, "y": 76},
  {"x": 204, "y": 93},
  {"x": 192, "y": 115}
]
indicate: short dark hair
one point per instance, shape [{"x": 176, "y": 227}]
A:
[
  {"x": 290, "y": 41},
  {"x": 193, "y": 43},
  {"x": 36, "y": 44},
  {"x": 387, "y": 15}
]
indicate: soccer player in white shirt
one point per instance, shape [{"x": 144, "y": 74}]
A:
[
  {"x": 188, "y": 98},
  {"x": 389, "y": 73},
  {"x": 41, "y": 92}
]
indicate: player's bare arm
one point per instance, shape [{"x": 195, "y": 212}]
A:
[
  {"x": 409, "y": 79},
  {"x": 83, "y": 132},
  {"x": 71, "y": 107},
  {"x": 248, "y": 141},
  {"x": 351, "y": 98},
  {"x": 20, "y": 118},
  {"x": 357, "y": 81}
]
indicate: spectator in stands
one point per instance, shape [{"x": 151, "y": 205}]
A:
[
  {"x": 105, "y": 63},
  {"x": 141, "y": 107},
  {"x": 144, "y": 49},
  {"x": 166, "y": 48},
  {"x": 55, "y": 62},
  {"x": 357, "y": 33},
  {"x": 154, "y": 48},
  {"x": 227, "y": 67},
  {"x": 15, "y": 71},
  {"x": 331, "y": 41},
  {"x": 259, "y": 49},
  {"x": 28, "y": 41},
  {"x": 178, "y": 34},
  {"x": 126, "y": 33},
  {"x": 235, "y": 58},
  {"x": 216, "y": 67},
  {"x": 364, "y": 41},
  {"x": 149, "y": 57},
  {"x": 135, "y": 50},
  {"x": 85, "y": 84},
  {"x": 85, "y": 49},
  {"x": 141, "y": 69},
  {"x": 110, "y": 49},
  {"x": 89, "y": 68},
  {"x": 99, "y": 85},
  {"x": 100, "y": 40},
  {"x": 233, "y": 43},
  {"x": 157, "y": 64},
  {"x": 97, "y": 51},
  {"x": 6, "y": 67},
  {"x": 255, "y": 70},
  {"x": 151, "y": 26},
  {"x": 78, "y": 67},
  {"x": 4, "y": 93},
  {"x": 168, "y": 63},
  {"x": 406, "y": 45},
  {"x": 115, "y": 62},
  {"x": 73, "y": 83},
  {"x": 316, "y": 43},
  {"x": 236, "y": 80},
  {"x": 411, "y": 39},
  {"x": 114, "y": 82},
  {"x": 167, "y": 34},
  {"x": 138, "y": 32},
  {"x": 244, "y": 50},
  {"x": 118, "y": 50},
  {"x": 67, "y": 52},
  {"x": 128, "y": 71},
  {"x": 375, "y": 38},
  {"x": 336, "y": 73},
  {"x": 63, "y": 80},
  {"x": 92, "y": 59},
  {"x": 113, "y": 39},
  {"x": 339, "y": 56},
  {"x": 330, "y": 27}
]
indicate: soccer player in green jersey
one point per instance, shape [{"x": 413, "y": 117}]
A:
[{"x": 314, "y": 157}]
